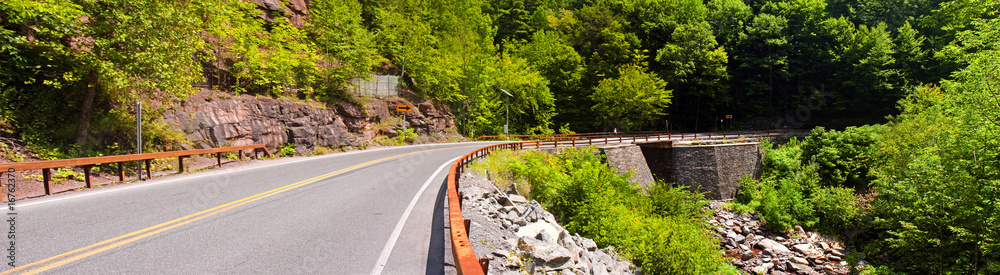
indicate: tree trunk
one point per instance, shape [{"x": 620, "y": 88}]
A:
[
  {"x": 697, "y": 113},
  {"x": 86, "y": 110}
]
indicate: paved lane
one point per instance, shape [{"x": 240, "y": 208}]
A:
[{"x": 331, "y": 214}]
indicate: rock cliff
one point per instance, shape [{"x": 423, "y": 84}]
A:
[{"x": 212, "y": 119}]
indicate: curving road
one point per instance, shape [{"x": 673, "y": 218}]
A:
[{"x": 363, "y": 212}]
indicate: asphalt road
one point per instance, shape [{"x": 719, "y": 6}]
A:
[{"x": 333, "y": 214}]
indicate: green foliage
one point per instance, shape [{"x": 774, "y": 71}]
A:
[
  {"x": 337, "y": 29},
  {"x": 938, "y": 189},
  {"x": 287, "y": 150},
  {"x": 407, "y": 135},
  {"x": 845, "y": 158},
  {"x": 795, "y": 187},
  {"x": 664, "y": 233},
  {"x": 634, "y": 99},
  {"x": 835, "y": 206}
]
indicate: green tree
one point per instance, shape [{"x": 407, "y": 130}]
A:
[
  {"x": 728, "y": 19},
  {"x": 938, "y": 191},
  {"x": 560, "y": 64},
  {"x": 695, "y": 65},
  {"x": 634, "y": 99},
  {"x": 338, "y": 32},
  {"x": 102, "y": 61},
  {"x": 762, "y": 62}
]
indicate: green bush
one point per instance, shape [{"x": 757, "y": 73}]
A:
[
  {"x": 835, "y": 206},
  {"x": 792, "y": 191},
  {"x": 407, "y": 135},
  {"x": 844, "y": 157},
  {"x": 287, "y": 150}
]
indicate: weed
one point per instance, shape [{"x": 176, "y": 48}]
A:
[{"x": 288, "y": 150}]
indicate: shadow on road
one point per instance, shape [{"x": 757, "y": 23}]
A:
[{"x": 436, "y": 249}]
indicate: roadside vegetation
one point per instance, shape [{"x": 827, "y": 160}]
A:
[
  {"x": 664, "y": 232},
  {"x": 920, "y": 194}
]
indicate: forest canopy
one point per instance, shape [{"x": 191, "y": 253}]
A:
[{"x": 69, "y": 64}]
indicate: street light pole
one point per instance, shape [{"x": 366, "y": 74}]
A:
[{"x": 506, "y": 106}]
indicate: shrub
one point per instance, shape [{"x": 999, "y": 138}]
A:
[
  {"x": 287, "y": 150},
  {"x": 844, "y": 157},
  {"x": 835, "y": 206},
  {"x": 407, "y": 135}
]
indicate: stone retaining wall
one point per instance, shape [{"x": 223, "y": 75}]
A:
[
  {"x": 628, "y": 157},
  {"x": 714, "y": 168}
]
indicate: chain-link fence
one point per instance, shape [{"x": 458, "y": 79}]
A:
[{"x": 380, "y": 86}]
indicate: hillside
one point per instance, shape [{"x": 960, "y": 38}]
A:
[{"x": 73, "y": 70}]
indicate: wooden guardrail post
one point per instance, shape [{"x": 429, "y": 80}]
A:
[
  {"x": 86, "y": 175},
  {"x": 46, "y": 177},
  {"x": 180, "y": 164},
  {"x": 121, "y": 171},
  {"x": 149, "y": 168}
]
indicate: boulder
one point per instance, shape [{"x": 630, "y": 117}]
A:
[
  {"x": 809, "y": 251},
  {"x": 532, "y": 229},
  {"x": 546, "y": 254},
  {"x": 762, "y": 269},
  {"x": 772, "y": 246}
]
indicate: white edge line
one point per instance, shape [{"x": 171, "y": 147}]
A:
[
  {"x": 213, "y": 173},
  {"x": 384, "y": 257}
]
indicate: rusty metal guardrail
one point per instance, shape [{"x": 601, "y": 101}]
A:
[
  {"x": 88, "y": 163},
  {"x": 573, "y": 136},
  {"x": 466, "y": 261},
  {"x": 605, "y": 139},
  {"x": 465, "y": 258}
]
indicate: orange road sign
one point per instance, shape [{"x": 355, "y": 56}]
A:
[
  {"x": 729, "y": 116},
  {"x": 404, "y": 108}
]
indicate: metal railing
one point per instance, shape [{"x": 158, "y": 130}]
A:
[
  {"x": 604, "y": 138},
  {"x": 466, "y": 261},
  {"x": 88, "y": 163}
]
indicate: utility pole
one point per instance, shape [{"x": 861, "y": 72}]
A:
[
  {"x": 138, "y": 133},
  {"x": 507, "y": 113}
]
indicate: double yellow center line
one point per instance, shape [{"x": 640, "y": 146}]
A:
[{"x": 108, "y": 244}]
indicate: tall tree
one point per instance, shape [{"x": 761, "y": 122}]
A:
[
  {"x": 695, "y": 65},
  {"x": 634, "y": 99}
]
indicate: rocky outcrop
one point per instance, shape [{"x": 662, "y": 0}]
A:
[
  {"x": 295, "y": 10},
  {"x": 518, "y": 235},
  {"x": 211, "y": 119},
  {"x": 755, "y": 250}
]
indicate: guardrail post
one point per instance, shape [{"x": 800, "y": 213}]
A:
[
  {"x": 149, "y": 168},
  {"x": 121, "y": 172},
  {"x": 86, "y": 175},
  {"x": 180, "y": 164},
  {"x": 218, "y": 158},
  {"x": 468, "y": 225},
  {"x": 485, "y": 264},
  {"x": 46, "y": 177}
]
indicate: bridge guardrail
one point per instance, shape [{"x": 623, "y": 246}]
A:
[
  {"x": 465, "y": 258},
  {"x": 89, "y": 162}
]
